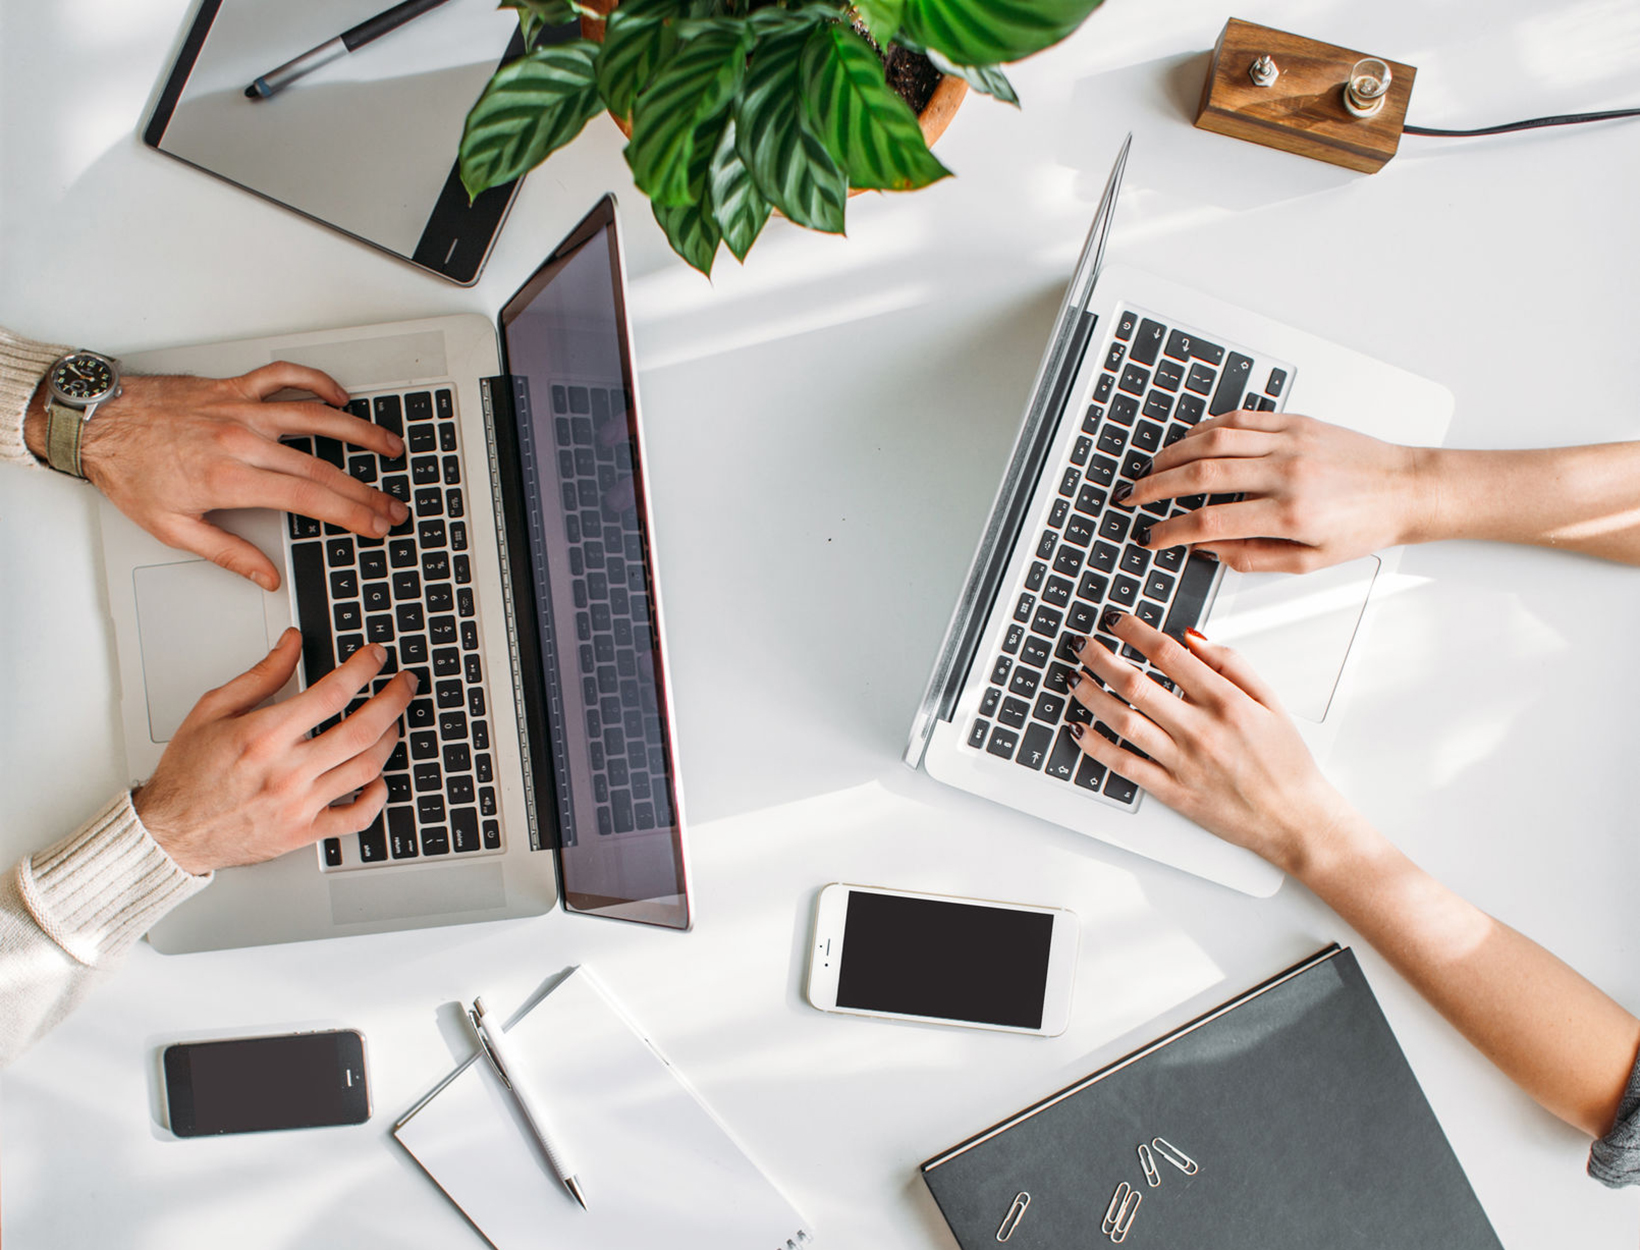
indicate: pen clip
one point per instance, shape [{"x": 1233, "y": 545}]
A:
[{"x": 489, "y": 1051}]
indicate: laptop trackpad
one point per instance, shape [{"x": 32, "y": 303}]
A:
[
  {"x": 199, "y": 627},
  {"x": 1296, "y": 631}
]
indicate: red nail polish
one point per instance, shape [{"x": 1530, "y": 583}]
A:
[{"x": 1196, "y": 633}]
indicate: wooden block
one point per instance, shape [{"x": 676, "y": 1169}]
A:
[{"x": 1303, "y": 110}]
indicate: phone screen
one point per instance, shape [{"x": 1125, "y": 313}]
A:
[
  {"x": 253, "y": 1084},
  {"x": 957, "y": 961}
]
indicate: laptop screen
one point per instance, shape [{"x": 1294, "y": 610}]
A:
[{"x": 601, "y": 713}]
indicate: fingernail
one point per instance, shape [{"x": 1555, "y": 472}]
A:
[
  {"x": 1076, "y": 730},
  {"x": 1196, "y": 633},
  {"x": 1141, "y": 535},
  {"x": 1145, "y": 466},
  {"x": 1111, "y": 619},
  {"x": 379, "y": 652},
  {"x": 415, "y": 682},
  {"x": 1120, "y": 494},
  {"x": 1077, "y": 643},
  {"x": 400, "y": 512},
  {"x": 380, "y": 526},
  {"x": 397, "y": 444}
]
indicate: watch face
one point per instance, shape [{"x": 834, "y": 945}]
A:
[{"x": 82, "y": 377}]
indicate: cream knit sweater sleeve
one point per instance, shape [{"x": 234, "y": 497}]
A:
[{"x": 68, "y": 913}]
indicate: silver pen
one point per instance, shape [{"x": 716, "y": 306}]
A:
[
  {"x": 491, "y": 1038},
  {"x": 334, "y": 49}
]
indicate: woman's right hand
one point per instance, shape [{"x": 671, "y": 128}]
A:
[
  {"x": 1226, "y": 755},
  {"x": 240, "y": 783}
]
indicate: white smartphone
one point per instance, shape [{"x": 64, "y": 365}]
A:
[{"x": 943, "y": 960}]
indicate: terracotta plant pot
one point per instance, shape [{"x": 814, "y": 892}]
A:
[{"x": 935, "y": 117}]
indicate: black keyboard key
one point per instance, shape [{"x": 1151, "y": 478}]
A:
[
  {"x": 475, "y": 702},
  {"x": 424, "y": 469},
  {"x": 448, "y": 694},
  {"x": 1135, "y": 560},
  {"x": 1024, "y": 682},
  {"x": 1024, "y": 608},
  {"x": 1114, "y": 526},
  {"x": 1045, "y": 546},
  {"x": 1158, "y": 406},
  {"x": 427, "y": 777},
  {"x": 1080, "y": 529},
  {"x": 1068, "y": 481},
  {"x": 1158, "y": 585},
  {"x": 304, "y": 527},
  {"x": 1103, "y": 557},
  {"x": 442, "y": 631},
  {"x": 1049, "y": 708},
  {"x": 429, "y": 501},
  {"x": 464, "y": 601},
  {"x": 1003, "y": 741},
  {"x": 447, "y": 436},
  {"x": 988, "y": 705},
  {"x": 333, "y": 852},
  {"x": 1059, "y": 678},
  {"x": 1035, "y": 653},
  {"x": 1170, "y": 558},
  {"x": 481, "y": 736},
  {"x": 1012, "y": 639},
  {"x": 446, "y": 405},
  {"x": 1092, "y": 586},
  {"x": 1147, "y": 342},
  {"x": 1124, "y": 590},
  {"x": 430, "y": 809},
  {"x": 401, "y": 832},
  {"x": 1056, "y": 515},
  {"x": 1046, "y": 622},
  {"x": 1062, "y": 763},
  {"x": 401, "y": 553},
  {"x": 1113, "y": 358},
  {"x": 1278, "y": 379},
  {"x": 1231, "y": 384},
  {"x": 1190, "y": 409},
  {"x": 1033, "y": 751},
  {"x": 1101, "y": 471},
  {"x": 1123, "y": 409},
  {"x": 1200, "y": 380},
  {"x": 1033, "y": 578},
  {"x": 1169, "y": 375},
  {"x": 1000, "y": 670},
  {"x": 464, "y": 829},
  {"x": 1266, "y": 404},
  {"x": 1102, "y": 389},
  {"x": 1089, "y": 773},
  {"x": 373, "y": 841},
  {"x": 453, "y": 725},
  {"x": 1090, "y": 422},
  {"x": 1120, "y": 788},
  {"x": 435, "y": 840},
  {"x": 1124, "y": 324},
  {"x": 330, "y": 451},
  {"x": 1112, "y": 439},
  {"x": 1014, "y": 712},
  {"x": 1089, "y": 501},
  {"x": 1082, "y": 618},
  {"x": 418, "y": 406},
  {"x": 976, "y": 735},
  {"x": 422, "y": 439},
  {"x": 1147, "y": 437},
  {"x": 1251, "y": 403},
  {"x": 452, "y": 470},
  {"x": 1134, "y": 380},
  {"x": 1174, "y": 433},
  {"x": 407, "y": 585},
  {"x": 1080, "y": 450},
  {"x": 1057, "y": 592},
  {"x": 1135, "y": 465},
  {"x": 1188, "y": 604},
  {"x": 307, "y": 572},
  {"x": 339, "y": 552},
  {"x": 492, "y": 835},
  {"x": 435, "y": 565},
  {"x": 1068, "y": 561},
  {"x": 1150, "y": 613},
  {"x": 463, "y": 570}
]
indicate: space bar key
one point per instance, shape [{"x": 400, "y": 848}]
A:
[
  {"x": 1189, "y": 604},
  {"x": 307, "y": 575}
]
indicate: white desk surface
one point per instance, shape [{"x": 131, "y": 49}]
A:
[{"x": 826, "y": 430}]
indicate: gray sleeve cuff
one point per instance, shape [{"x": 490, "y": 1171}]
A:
[
  {"x": 23, "y": 362},
  {"x": 98, "y": 891},
  {"x": 1614, "y": 1160}
]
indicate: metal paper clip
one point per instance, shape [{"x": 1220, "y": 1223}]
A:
[
  {"x": 1123, "y": 1210},
  {"x": 1016, "y": 1212},
  {"x": 1175, "y": 1156},
  {"x": 1147, "y": 1161}
]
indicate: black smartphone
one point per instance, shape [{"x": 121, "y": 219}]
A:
[{"x": 254, "y": 1084}]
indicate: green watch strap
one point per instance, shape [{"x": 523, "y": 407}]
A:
[{"x": 64, "y": 426}]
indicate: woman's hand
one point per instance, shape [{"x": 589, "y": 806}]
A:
[
  {"x": 240, "y": 783},
  {"x": 170, "y": 449},
  {"x": 1226, "y": 756},
  {"x": 1316, "y": 494}
]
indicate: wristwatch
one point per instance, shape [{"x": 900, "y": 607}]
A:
[{"x": 77, "y": 384}]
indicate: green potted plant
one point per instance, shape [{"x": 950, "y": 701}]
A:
[{"x": 735, "y": 108}]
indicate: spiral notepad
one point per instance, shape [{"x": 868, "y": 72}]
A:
[{"x": 657, "y": 1166}]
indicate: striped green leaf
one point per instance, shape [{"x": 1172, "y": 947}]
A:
[
  {"x": 789, "y": 164},
  {"x": 529, "y": 109},
  {"x": 862, "y": 121},
  {"x": 535, "y": 15},
  {"x": 636, "y": 45},
  {"x": 992, "y": 32},
  {"x": 737, "y": 207},
  {"x": 701, "y": 77},
  {"x": 691, "y": 231},
  {"x": 881, "y": 18},
  {"x": 987, "y": 78}
]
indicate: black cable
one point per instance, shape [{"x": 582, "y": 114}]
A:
[{"x": 1564, "y": 119}]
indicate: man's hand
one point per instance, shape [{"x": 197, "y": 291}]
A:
[
  {"x": 240, "y": 783},
  {"x": 171, "y": 449},
  {"x": 1315, "y": 494}
]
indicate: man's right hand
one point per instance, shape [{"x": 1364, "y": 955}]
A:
[{"x": 240, "y": 783}]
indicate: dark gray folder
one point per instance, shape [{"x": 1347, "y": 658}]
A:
[{"x": 1295, "y": 1107}]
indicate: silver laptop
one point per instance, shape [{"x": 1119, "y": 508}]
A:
[
  {"x": 538, "y": 759},
  {"x": 1133, "y": 363}
]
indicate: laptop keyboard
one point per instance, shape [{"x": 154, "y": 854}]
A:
[
  {"x": 614, "y": 646},
  {"x": 1157, "y": 380},
  {"x": 411, "y": 592}
]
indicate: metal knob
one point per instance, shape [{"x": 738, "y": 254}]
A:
[{"x": 1263, "y": 71}]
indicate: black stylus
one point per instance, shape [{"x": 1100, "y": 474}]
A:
[{"x": 347, "y": 41}]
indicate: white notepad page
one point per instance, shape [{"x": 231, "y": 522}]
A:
[{"x": 657, "y": 1167}]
